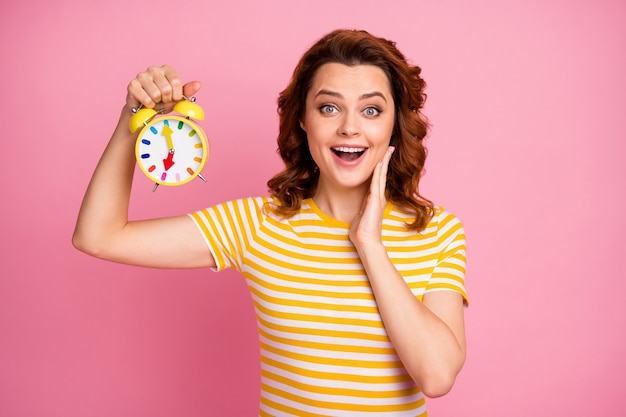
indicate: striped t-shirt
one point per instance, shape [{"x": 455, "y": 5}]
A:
[{"x": 324, "y": 350}]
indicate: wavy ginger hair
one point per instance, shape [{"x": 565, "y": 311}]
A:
[{"x": 298, "y": 180}]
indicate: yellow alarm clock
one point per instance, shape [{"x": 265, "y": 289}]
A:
[{"x": 170, "y": 150}]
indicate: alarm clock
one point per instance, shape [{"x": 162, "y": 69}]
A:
[{"x": 170, "y": 149}]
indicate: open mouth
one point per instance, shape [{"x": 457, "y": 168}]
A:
[{"x": 348, "y": 154}]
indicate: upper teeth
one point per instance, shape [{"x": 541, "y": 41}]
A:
[{"x": 346, "y": 149}]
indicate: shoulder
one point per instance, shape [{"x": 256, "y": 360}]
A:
[
  {"x": 236, "y": 210},
  {"x": 249, "y": 203},
  {"x": 442, "y": 218},
  {"x": 447, "y": 227},
  {"x": 442, "y": 229}
]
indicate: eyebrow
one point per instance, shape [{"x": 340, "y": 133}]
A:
[{"x": 362, "y": 97}]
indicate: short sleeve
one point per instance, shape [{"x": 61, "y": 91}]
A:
[
  {"x": 227, "y": 228},
  {"x": 449, "y": 271}
]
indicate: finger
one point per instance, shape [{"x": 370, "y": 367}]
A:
[
  {"x": 158, "y": 85},
  {"x": 138, "y": 95},
  {"x": 383, "y": 172},
  {"x": 143, "y": 90},
  {"x": 172, "y": 85},
  {"x": 146, "y": 82},
  {"x": 191, "y": 88},
  {"x": 165, "y": 84},
  {"x": 375, "y": 184}
]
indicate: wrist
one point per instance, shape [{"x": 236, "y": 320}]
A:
[{"x": 368, "y": 250}]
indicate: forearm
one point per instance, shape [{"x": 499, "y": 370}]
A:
[
  {"x": 426, "y": 345},
  {"x": 104, "y": 209}
]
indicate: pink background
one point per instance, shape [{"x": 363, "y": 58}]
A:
[{"x": 528, "y": 105}]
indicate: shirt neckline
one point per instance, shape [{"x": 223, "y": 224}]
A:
[{"x": 331, "y": 220}]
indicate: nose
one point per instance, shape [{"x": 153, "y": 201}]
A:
[{"x": 349, "y": 126}]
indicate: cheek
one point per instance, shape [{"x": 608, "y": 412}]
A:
[
  {"x": 382, "y": 133},
  {"x": 385, "y": 126},
  {"x": 319, "y": 134},
  {"x": 316, "y": 154}
]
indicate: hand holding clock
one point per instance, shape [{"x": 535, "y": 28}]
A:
[
  {"x": 103, "y": 228},
  {"x": 161, "y": 133},
  {"x": 159, "y": 85}
]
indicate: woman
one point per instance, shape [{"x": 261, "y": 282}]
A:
[{"x": 357, "y": 280}]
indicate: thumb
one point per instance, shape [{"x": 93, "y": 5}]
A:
[{"x": 191, "y": 88}]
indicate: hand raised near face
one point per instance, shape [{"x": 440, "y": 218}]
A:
[{"x": 366, "y": 227}]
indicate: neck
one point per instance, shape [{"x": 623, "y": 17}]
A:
[{"x": 342, "y": 204}]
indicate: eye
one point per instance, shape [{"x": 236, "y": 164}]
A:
[
  {"x": 371, "y": 111},
  {"x": 328, "y": 109}
]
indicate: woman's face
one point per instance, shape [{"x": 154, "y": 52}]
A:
[{"x": 349, "y": 120}]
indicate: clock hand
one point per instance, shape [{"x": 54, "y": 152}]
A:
[
  {"x": 169, "y": 161},
  {"x": 167, "y": 132}
]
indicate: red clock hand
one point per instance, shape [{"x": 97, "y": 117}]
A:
[{"x": 169, "y": 161}]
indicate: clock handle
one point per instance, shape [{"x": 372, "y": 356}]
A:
[{"x": 134, "y": 110}]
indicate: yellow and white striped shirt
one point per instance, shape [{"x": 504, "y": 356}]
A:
[{"x": 324, "y": 349}]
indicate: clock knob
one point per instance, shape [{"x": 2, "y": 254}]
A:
[
  {"x": 140, "y": 118},
  {"x": 189, "y": 109}
]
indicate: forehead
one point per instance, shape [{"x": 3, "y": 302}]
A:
[{"x": 349, "y": 80}]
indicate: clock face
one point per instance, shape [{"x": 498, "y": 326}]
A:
[{"x": 171, "y": 150}]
